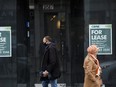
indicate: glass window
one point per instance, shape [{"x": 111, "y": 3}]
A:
[{"x": 102, "y": 12}]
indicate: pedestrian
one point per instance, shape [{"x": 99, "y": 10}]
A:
[
  {"x": 50, "y": 66},
  {"x": 92, "y": 68}
]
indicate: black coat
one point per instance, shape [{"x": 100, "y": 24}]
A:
[{"x": 50, "y": 62}]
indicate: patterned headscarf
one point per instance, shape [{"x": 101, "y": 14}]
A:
[{"x": 92, "y": 49}]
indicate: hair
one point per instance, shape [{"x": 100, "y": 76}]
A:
[{"x": 48, "y": 38}]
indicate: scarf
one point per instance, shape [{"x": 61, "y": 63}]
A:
[{"x": 92, "y": 50}]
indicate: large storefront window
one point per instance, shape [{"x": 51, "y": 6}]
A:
[
  {"x": 102, "y": 12},
  {"x": 82, "y": 22}
]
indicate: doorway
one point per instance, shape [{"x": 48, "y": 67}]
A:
[{"x": 58, "y": 33}]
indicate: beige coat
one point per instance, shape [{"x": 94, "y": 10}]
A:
[{"x": 90, "y": 67}]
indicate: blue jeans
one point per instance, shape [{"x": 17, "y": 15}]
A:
[{"x": 52, "y": 82}]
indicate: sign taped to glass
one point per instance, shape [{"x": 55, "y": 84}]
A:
[
  {"x": 5, "y": 41},
  {"x": 101, "y": 35}
]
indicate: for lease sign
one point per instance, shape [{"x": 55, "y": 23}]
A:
[
  {"x": 101, "y": 35},
  {"x": 5, "y": 41}
]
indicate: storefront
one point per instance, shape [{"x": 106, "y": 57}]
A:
[{"x": 73, "y": 25}]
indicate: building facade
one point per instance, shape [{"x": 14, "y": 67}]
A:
[{"x": 70, "y": 23}]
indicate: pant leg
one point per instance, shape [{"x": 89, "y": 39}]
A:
[
  {"x": 53, "y": 83},
  {"x": 45, "y": 83}
]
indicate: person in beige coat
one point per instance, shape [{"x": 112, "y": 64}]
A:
[{"x": 92, "y": 68}]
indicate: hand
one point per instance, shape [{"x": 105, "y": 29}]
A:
[{"x": 45, "y": 73}]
